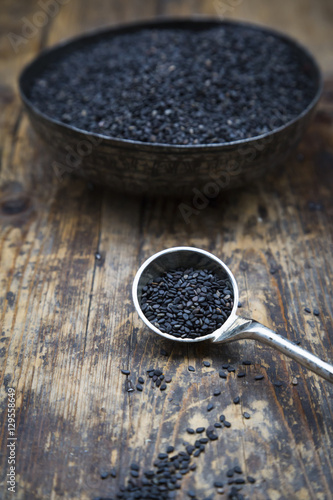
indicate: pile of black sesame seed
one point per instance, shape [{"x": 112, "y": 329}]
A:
[
  {"x": 178, "y": 86},
  {"x": 187, "y": 303}
]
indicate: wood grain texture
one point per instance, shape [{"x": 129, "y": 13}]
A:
[{"x": 68, "y": 324}]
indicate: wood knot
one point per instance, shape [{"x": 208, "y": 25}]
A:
[{"x": 15, "y": 205}]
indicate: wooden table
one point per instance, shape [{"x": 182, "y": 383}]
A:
[{"x": 67, "y": 320}]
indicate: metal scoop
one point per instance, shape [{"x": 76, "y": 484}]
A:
[{"x": 235, "y": 327}]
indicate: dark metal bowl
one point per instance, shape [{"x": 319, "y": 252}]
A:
[{"x": 162, "y": 169}]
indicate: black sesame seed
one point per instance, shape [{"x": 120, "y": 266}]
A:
[
  {"x": 206, "y": 363},
  {"x": 237, "y": 400},
  {"x": 246, "y": 362},
  {"x": 251, "y": 479},
  {"x": 316, "y": 312},
  {"x": 246, "y": 415},
  {"x": 210, "y": 407},
  {"x": 230, "y": 473},
  {"x": 222, "y": 374},
  {"x": 199, "y": 430},
  {"x": 126, "y": 372},
  {"x": 168, "y": 379},
  {"x": 218, "y": 484},
  {"x": 189, "y": 430},
  {"x": 225, "y": 366},
  {"x": 163, "y": 387},
  {"x": 141, "y": 380},
  {"x": 258, "y": 377},
  {"x": 217, "y": 425},
  {"x": 238, "y": 470},
  {"x": 134, "y": 466},
  {"x": 191, "y": 369},
  {"x": 222, "y": 418},
  {"x": 239, "y": 480},
  {"x": 139, "y": 387},
  {"x": 217, "y": 392},
  {"x": 241, "y": 374},
  {"x": 231, "y": 369},
  {"x": 227, "y": 424},
  {"x": 104, "y": 475},
  {"x": 307, "y": 310}
]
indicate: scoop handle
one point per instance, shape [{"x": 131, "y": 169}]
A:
[{"x": 257, "y": 331}]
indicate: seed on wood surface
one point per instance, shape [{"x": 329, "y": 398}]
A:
[
  {"x": 251, "y": 479},
  {"x": 225, "y": 366},
  {"x": 222, "y": 374},
  {"x": 307, "y": 310},
  {"x": 237, "y": 400},
  {"x": 158, "y": 372},
  {"x": 163, "y": 387},
  {"x": 258, "y": 377},
  {"x": 141, "y": 380},
  {"x": 170, "y": 449},
  {"x": 126, "y": 372},
  {"x": 191, "y": 369},
  {"x": 238, "y": 469},
  {"x": 190, "y": 430},
  {"x": 217, "y": 392},
  {"x": 199, "y": 430},
  {"x": 210, "y": 407},
  {"x": 230, "y": 473},
  {"x": 139, "y": 387},
  {"x": 222, "y": 418},
  {"x": 316, "y": 312},
  {"x": 217, "y": 425},
  {"x": 218, "y": 484},
  {"x": 246, "y": 415},
  {"x": 168, "y": 379},
  {"x": 206, "y": 363},
  {"x": 246, "y": 362},
  {"x": 239, "y": 480},
  {"x": 104, "y": 475},
  {"x": 231, "y": 369},
  {"x": 227, "y": 424},
  {"x": 241, "y": 374},
  {"x": 278, "y": 383}
]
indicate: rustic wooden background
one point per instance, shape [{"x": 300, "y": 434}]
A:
[{"x": 67, "y": 320}]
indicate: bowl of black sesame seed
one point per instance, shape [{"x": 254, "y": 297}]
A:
[{"x": 167, "y": 106}]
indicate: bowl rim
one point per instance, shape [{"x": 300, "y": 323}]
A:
[{"x": 164, "y": 22}]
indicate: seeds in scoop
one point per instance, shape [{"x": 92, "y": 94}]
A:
[{"x": 191, "y": 304}]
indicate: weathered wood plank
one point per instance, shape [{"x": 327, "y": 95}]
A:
[{"x": 68, "y": 324}]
